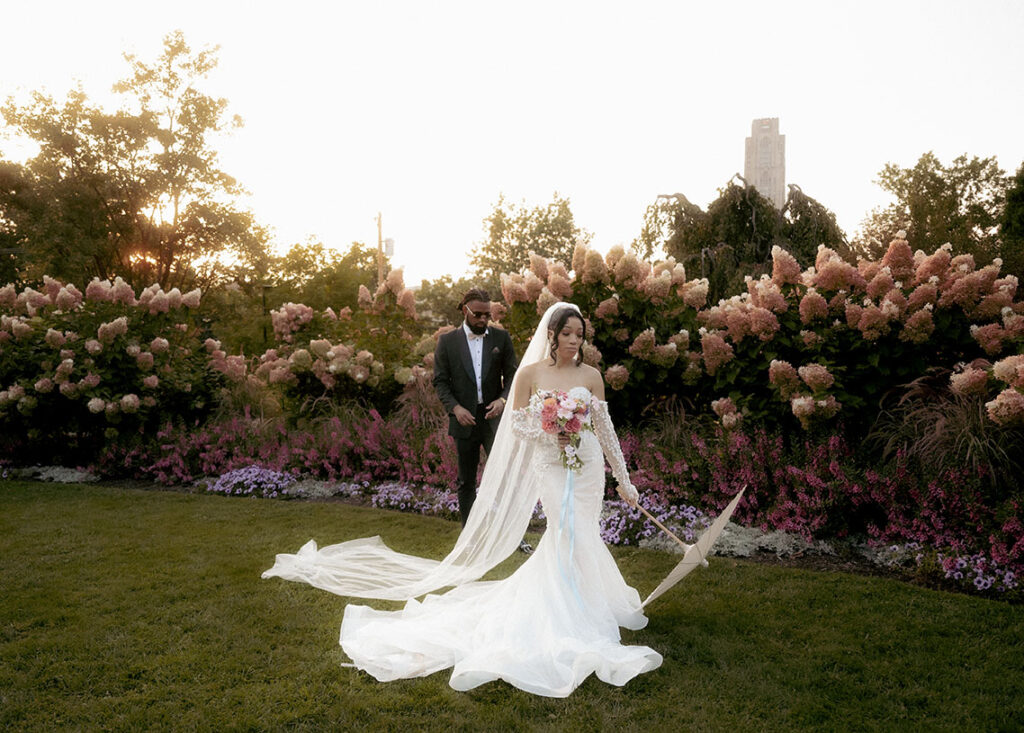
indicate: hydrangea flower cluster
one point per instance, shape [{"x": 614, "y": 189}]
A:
[
  {"x": 324, "y": 355},
  {"x": 288, "y": 319},
  {"x": 322, "y": 361},
  {"x": 726, "y": 410},
  {"x": 392, "y": 289},
  {"x": 1008, "y": 407}
]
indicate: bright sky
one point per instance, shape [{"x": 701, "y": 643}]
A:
[{"x": 427, "y": 111}]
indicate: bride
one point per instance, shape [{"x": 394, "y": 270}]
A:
[{"x": 556, "y": 619}]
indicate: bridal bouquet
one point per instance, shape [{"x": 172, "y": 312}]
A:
[{"x": 561, "y": 414}]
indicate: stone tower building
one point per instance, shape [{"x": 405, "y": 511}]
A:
[{"x": 765, "y": 164}]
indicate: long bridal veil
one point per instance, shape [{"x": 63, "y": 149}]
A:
[{"x": 367, "y": 568}]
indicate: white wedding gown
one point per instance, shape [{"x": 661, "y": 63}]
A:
[{"x": 545, "y": 628}]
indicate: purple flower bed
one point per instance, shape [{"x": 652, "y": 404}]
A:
[
  {"x": 254, "y": 481},
  {"x": 416, "y": 499},
  {"x": 813, "y": 488},
  {"x": 622, "y": 524}
]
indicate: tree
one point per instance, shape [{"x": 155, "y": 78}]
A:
[
  {"x": 437, "y": 301},
  {"x": 1011, "y": 227},
  {"x": 321, "y": 278},
  {"x": 961, "y": 204},
  {"x": 807, "y": 224},
  {"x": 734, "y": 237},
  {"x": 673, "y": 225},
  {"x": 740, "y": 219},
  {"x": 312, "y": 274},
  {"x": 513, "y": 231},
  {"x": 137, "y": 192}
]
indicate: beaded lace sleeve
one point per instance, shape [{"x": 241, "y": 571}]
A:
[
  {"x": 605, "y": 432},
  {"x": 526, "y": 425}
]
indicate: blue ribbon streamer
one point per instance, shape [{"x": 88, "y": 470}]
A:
[{"x": 568, "y": 513}]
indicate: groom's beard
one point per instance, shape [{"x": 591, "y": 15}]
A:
[{"x": 478, "y": 330}]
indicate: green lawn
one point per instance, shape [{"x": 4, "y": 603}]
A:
[{"x": 127, "y": 609}]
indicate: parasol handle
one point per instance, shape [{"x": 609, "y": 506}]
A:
[{"x": 663, "y": 528}]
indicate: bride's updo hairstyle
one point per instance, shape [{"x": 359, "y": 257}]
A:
[{"x": 558, "y": 320}]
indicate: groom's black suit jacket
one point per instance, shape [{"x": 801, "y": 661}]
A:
[{"x": 455, "y": 380}]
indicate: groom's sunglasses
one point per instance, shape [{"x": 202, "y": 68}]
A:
[{"x": 478, "y": 314}]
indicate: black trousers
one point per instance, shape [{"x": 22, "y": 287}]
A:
[{"x": 469, "y": 460}]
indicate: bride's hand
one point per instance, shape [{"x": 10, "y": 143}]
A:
[{"x": 629, "y": 494}]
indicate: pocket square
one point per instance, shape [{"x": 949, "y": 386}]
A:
[{"x": 495, "y": 350}]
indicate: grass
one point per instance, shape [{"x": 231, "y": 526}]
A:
[{"x": 129, "y": 609}]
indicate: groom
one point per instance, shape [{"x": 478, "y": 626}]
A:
[{"x": 473, "y": 369}]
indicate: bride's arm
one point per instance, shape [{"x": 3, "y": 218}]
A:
[
  {"x": 525, "y": 423},
  {"x": 609, "y": 441},
  {"x": 524, "y": 387}
]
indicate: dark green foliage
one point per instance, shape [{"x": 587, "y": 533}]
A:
[
  {"x": 806, "y": 225},
  {"x": 437, "y": 301},
  {"x": 1011, "y": 227},
  {"x": 238, "y": 313}
]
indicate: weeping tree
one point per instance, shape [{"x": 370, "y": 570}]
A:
[
  {"x": 735, "y": 236},
  {"x": 808, "y": 224}
]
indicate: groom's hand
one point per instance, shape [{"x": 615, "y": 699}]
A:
[
  {"x": 464, "y": 416},
  {"x": 494, "y": 409}
]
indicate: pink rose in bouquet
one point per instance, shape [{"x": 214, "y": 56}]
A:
[{"x": 562, "y": 414}]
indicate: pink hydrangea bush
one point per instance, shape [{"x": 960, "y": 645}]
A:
[
  {"x": 872, "y": 326},
  {"x": 77, "y": 369},
  {"x": 323, "y": 359}
]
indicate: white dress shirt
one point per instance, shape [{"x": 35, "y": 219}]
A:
[{"x": 476, "y": 354}]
